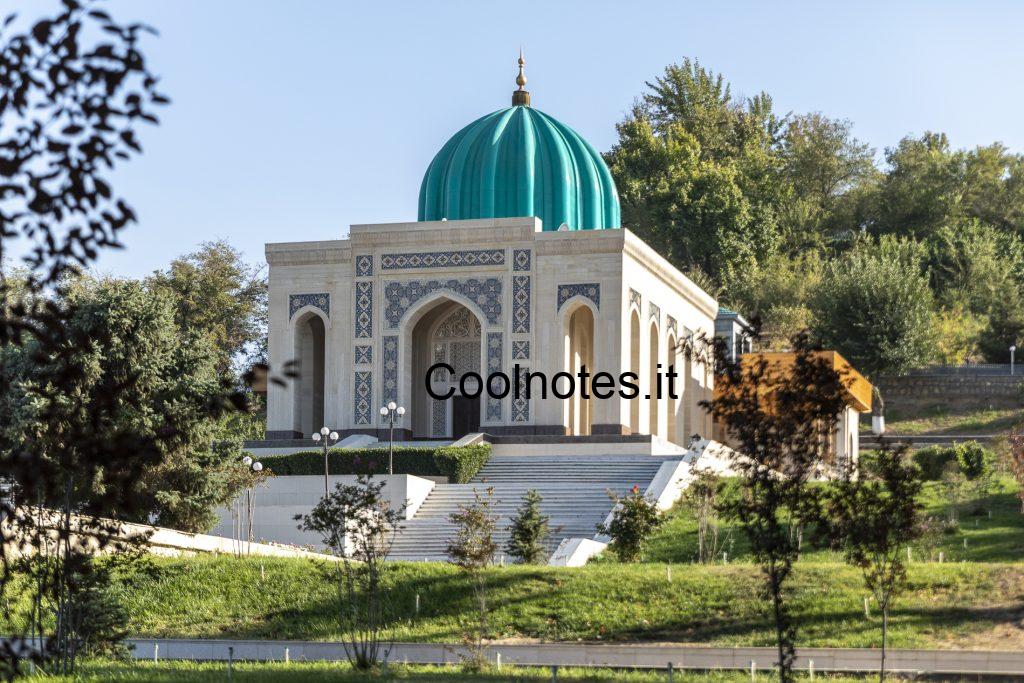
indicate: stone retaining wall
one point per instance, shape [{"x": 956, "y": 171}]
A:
[{"x": 950, "y": 387}]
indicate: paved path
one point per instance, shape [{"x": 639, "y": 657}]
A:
[{"x": 643, "y": 656}]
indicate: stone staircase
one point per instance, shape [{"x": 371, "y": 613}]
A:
[{"x": 574, "y": 490}]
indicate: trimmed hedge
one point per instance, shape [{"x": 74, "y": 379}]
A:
[
  {"x": 458, "y": 464},
  {"x": 972, "y": 459}
]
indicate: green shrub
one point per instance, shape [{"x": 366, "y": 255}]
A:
[
  {"x": 634, "y": 519},
  {"x": 975, "y": 460},
  {"x": 972, "y": 460},
  {"x": 458, "y": 464},
  {"x": 933, "y": 460}
]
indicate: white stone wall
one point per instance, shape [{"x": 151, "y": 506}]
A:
[{"x": 275, "y": 504}]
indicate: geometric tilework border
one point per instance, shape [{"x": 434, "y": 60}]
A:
[
  {"x": 495, "y": 353},
  {"x": 443, "y": 259},
  {"x": 321, "y": 300},
  {"x": 363, "y": 397},
  {"x": 400, "y": 296},
  {"x": 520, "y": 304},
  {"x": 588, "y": 290}
]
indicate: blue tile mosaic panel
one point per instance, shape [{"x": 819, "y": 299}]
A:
[
  {"x": 321, "y": 300},
  {"x": 400, "y": 296},
  {"x": 389, "y": 354},
  {"x": 364, "y": 354},
  {"x": 495, "y": 353},
  {"x": 364, "y": 266},
  {"x": 670, "y": 322},
  {"x": 589, "y": 290},
  {"x": 521, "y": 259},
  {"x": 443, "y": 259},
  {"x": 520, "y": 350},
  {"x": 521, "y": 405},
  {"x": 362, "y": 397},
  {"x": 634, "y": 297},
  {"x": 364, "y": 310},
  {"x": 520, "y": 304}
]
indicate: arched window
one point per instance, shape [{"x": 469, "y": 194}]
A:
[
  {"x": 634, "y": 367},
  {"x": 579, "y": 355},
  {"x": 652, "y": 383},
  {"x": 308, "y": 405}
]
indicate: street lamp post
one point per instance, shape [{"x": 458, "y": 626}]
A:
[
  {"x": 250, "y": 496},
  {"x": 329, "y": 438},
  {"x": 1013, "y": 350},
  {"x": 392, "y": 411}
]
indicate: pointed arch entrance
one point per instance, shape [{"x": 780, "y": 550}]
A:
[{"x": 445, "y": 330}]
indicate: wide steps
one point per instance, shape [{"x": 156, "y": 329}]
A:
[{"x": 574, "y": 492}]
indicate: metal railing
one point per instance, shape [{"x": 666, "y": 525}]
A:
[{"x": 967, "y": 370}]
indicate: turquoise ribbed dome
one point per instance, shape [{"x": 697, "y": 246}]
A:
[{"x": 520, "y": 162}]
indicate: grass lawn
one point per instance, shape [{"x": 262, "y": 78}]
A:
[
  {"x": 980, "y": 537},
  {"x": 974, "y": 599},
  {"x": 147, "y": 672},
  {"x": 939, "y": 419},
  {"x": 948, "y": 605}
]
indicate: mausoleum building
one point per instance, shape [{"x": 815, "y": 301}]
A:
[{"x": 517, "y": 261}]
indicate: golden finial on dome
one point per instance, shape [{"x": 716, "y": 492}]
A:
[{"x": 521, "y": 97}]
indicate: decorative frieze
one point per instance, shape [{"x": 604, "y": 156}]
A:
[
  {"x": 443, "y": 259},
  {"x": 321, "y": 300},
  {"x": 588, "y": 290},
  {"x": 400, "y": 296}
]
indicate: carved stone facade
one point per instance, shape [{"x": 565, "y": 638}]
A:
[{"x": 483, "y": 296}]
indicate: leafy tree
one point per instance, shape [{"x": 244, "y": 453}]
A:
[
  {"x": 692, "y": 211},
  {"x": 957, "y": 333},
  {"x": 874, "y": 306},
  {"x": 358, "y": 525},
  {"x": 702, "y": 498},
  {"x": 823, "y": 162},
  {"x": 528, "y": 531},
  {"x": 76, "y": 88},
  {"x": 778, "y": 291},
  {"x": 125, "y": 345},
  {"x": 1005, "y": 328},
  {"x": 697, "y": 171},
  {"x": 472, "y": 549},
  {"x": 781, "y": 425},
  {"x": 190, "y": 486},
  {"x": 971, "y": 264},
  {"x": 878, "y": 514},
  {"x": 634, "y": 519},
  {"x": 922, "y": 189},
  {"x": 1016, "y": 461},
  {"x": 215, "y": 293}
]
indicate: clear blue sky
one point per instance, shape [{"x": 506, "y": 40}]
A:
[{"x": 292, "y": 119}]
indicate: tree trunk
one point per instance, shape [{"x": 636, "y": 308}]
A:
[{"x": 885, "y": 628}]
